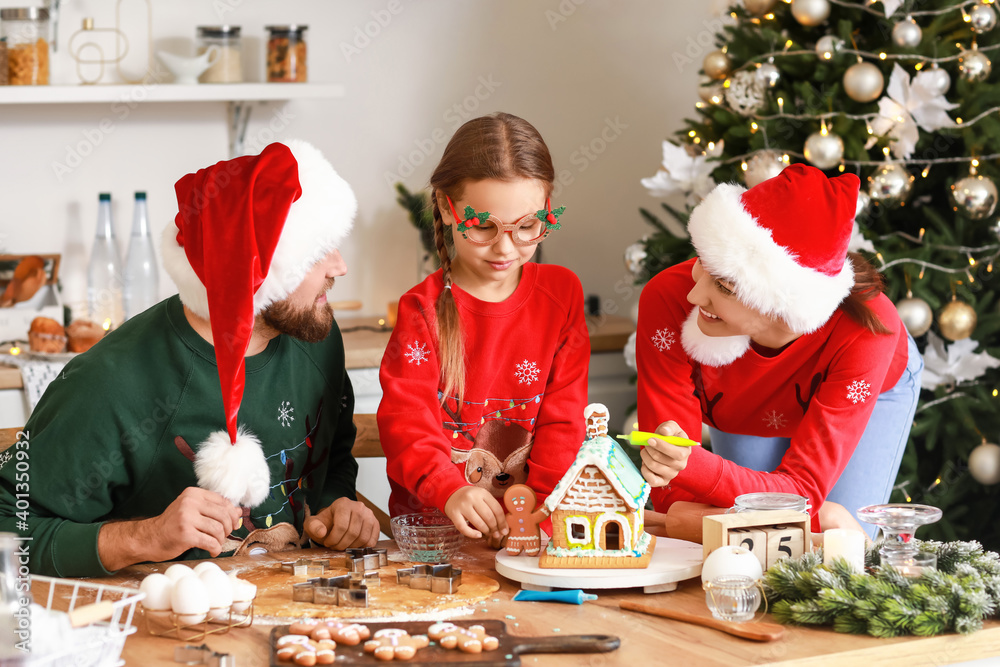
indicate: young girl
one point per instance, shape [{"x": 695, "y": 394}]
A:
[{"x": 485, "y": 376}]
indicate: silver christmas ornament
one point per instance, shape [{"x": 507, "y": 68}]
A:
[
  {"x": 974, "y": 196},
  {"x": 824, "y": 150},
  {"x": 984, "y": 464},
  {"x": 767, "y": 74},
  {"x": 995, "y": 228},
  {"x": 828, "y": 46},
  {"x": 810, "y": 13},
  {"x": 974, "y": 66},
  {"x": 716, "y": 65},
  {"x": 862, "y": 206},
  {"x": 907, "y": 34},
  {"x": 759, "y": 7},
  {"x": 745, "y": 95},
  {"x": 863, "y": 82},
  {"x": 982, "y": 18},
  {"x": 713, "y": 93},
  {"x": 761, "y": 166},
  {"x": 934, "y": 79},
  {"x": 916, "y": 315},
  {"x": 890, "y": 185}
]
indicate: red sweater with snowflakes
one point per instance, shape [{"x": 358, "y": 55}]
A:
[
  {"x": 819, "y": 391},
  {"x": 521, "y": 419}
]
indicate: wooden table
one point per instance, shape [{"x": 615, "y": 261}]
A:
[{"x": 646, "y": 640}]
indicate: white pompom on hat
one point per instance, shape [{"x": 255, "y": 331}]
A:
[{"x": 247, "y": 232}]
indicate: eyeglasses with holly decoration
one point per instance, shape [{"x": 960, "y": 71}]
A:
[{"x": 483, "y": 229}]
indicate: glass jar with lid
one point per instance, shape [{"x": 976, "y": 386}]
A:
[
  {"x": 286, "y": 53},
  {"x": 228, "y": 64},
  {"x": 27, "y": 33},
  {"x": 750, "y": 502},
  {"x": 3, "y": 61}
]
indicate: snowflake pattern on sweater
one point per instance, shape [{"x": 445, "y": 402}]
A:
[
  {"x": 858, "y": 391},
  {"x": 526, "y": 372},
  {"x": 663, "y": 339}
]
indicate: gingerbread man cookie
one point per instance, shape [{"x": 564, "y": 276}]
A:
[
  {"x": 350, "y": 634},
  {"x": 468, "y": 640},
  {"x": 523, "y": 520},
  {"x": 395, "y": 644},
  {"x": 306, "y": 652}
]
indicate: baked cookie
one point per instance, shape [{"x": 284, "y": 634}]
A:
[
  {"x": 395, "y": 644},
  {"x": 522, "y": 520},
  {"x": 301, "y": 650},
  {"x": 468, "y": 640}
]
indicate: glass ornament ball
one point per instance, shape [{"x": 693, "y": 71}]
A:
[
  {"x": 907, "y": 34},
  {"x": 863, "y": 82},
  {"x": 890, "y": 185},
  {"x": 974, "y": 66},
  {"x": 716, "y": 65},
  {"x": 810, "y": 13},
  {"x": 916, "y": 315},
  {"x": 933, "y": 79},
  {"x": 957, "y": 320},
  {"x": 768, "y": 75},
  {"x": 984, "y": 464},
  {"x": 759, "y": 7},
  {"x": 824, "y": 150},
  {"x": 828, "y": 46},
  {"x": 982, "y": 18},
  {"x": 761, "y": 166},
  {"x": 974, "y": 196}
]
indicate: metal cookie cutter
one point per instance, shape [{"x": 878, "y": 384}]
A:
[
  {"x": 347, "y": 590},
  {"x": 366, "y": 559},
  {"x": 433, "y": 578},
  {"x": 307, "y": 567},
  {"x": 202, "y": 655}
]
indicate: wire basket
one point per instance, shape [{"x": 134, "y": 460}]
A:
[
  {"x": 169, "y": 625},
  {"x": 103, "y": 647}
]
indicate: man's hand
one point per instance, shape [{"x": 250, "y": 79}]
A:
[
  {"x": 476, "y": 506},
  {"x": 196, "y": 519},
  {"x": 661, "y": 462},
  {"x": 343, "y": 525}
]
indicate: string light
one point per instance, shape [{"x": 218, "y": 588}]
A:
[{"x": 926, "y": 170}]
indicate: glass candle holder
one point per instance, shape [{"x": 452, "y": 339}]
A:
[
  {"x": 911, "y": 564},
  {"x": 732, "y": 597},
  {"x": 899, "y": 522}
]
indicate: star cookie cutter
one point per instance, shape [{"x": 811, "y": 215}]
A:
[
  {"x": 366, "y": 559},
  {"x": 347, "y": 590},
  {"x": 434, "y": 578},
  {"x": 307, "y": 567}
]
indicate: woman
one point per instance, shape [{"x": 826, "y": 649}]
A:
[{"x": 784, "y": 345}]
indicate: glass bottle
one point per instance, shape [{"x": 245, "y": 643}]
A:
[
  {"x": 142, "y": 280},
  {"x": 104, "y": 275}
]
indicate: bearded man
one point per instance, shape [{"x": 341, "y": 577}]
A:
[{"x": 134, "y": 453}]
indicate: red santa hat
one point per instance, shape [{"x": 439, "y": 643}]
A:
[
  {"x": 783, "y": 243},
  {"x": 247, "y": 232}
]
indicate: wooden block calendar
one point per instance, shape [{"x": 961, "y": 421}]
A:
[{"x": 770, "y": 535}]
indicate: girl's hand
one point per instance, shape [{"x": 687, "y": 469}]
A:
[
  {"x": 661, "y": 462},
  {"x": 473, "y": 505}
]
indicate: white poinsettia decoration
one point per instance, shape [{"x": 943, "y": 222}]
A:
[
  {"x": 891, "y": 6},
  {"x": 629, "y": 352},
  {"x": 634, "y": 256},
  {"x": 684, "y": 172},
  {"x": 953, "y": 363},
  {"x": 905, "y": 106},
  {"x": 858, "y": 241}
]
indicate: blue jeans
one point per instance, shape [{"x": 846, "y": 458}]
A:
[{"x": 870, "y": 474}]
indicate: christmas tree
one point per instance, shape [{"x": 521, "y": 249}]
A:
[{"x": 900, "y": 93}]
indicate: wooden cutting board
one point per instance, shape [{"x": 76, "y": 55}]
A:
[
  {"x": 389, "y": 599},
  {"x": 508, "y": 654}
]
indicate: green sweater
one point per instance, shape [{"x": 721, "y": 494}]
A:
[{"x": 111, "y": 438}]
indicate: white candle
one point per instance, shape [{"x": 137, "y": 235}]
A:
[{"x": 843, "y": 543}]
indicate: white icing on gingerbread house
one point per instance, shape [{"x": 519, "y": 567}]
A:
[{"x": 597, "y": 506}]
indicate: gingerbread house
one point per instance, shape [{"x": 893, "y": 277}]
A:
[{"x": 597, "y": 506}]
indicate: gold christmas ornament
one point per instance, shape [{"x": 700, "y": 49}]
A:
[
  {"x": 716, "y": 65},
  {"x": 863, "y": 82},
  {"x": 890, "y": 185},
  {"x": 982, "y": 18},
  {"x": 916, "y": 315},
  {"x": 907, "y": 34},
  {"x": 957, "y": 320},
  {"x": 810, "y": 13},
  {"x": 761, "y": 166},
  {"x": 824, "y": 149},
  {"x": 974, "y": 197},
  {"x": 974, "y": 66},
  {"x": 984, "y": 464},
  {"x": 759, "y": 7}
]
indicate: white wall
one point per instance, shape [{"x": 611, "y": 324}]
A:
[{"x": 588, "y": 73}]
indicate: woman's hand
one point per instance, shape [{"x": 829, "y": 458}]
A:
[
  {"x": 475, "y": 506},
  {"x": 661, "y": 462}
]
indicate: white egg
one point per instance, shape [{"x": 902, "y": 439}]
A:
[
  {"x": 189, "y": 600},
  {"x": 206, "y": 565},
  {"x": 730, "y": 560},
  {"x": 178, "y": 571},
  {"x": 220, "y": 594},
  {"x": 157, "y": 589},
  {"x": 243, "y": 594}
]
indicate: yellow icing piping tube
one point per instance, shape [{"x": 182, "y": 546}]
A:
[{"x": 641, "y": 439}]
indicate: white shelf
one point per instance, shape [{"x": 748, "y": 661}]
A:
[{"x": 168, "y": 92}]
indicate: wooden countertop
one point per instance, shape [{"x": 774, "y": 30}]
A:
[
  {"x": 646, "y": 640},
  {"x": 365, "y": 341}
]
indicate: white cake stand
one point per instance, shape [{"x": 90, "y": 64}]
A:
[{"x": 673, "y": 561}]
